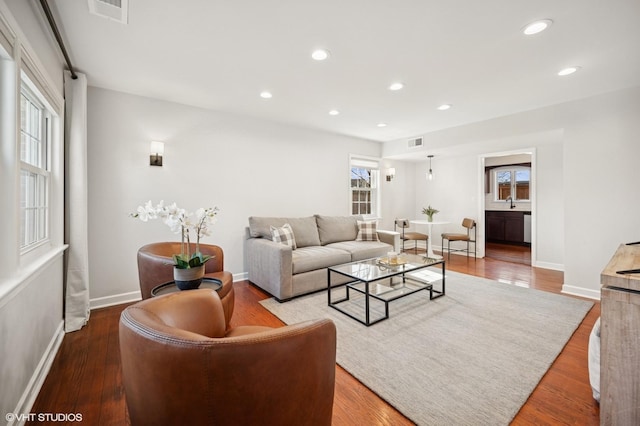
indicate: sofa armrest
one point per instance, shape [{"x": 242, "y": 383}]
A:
[
  {"x": 390, "y": 237},
  {"x": 269, "y": 266}
]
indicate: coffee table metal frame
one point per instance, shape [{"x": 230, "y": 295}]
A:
[{"x": 361, "y": 283}]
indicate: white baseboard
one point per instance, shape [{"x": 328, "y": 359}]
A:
[
  {"x": 242, "y": 276},
  {"x": 549, "y": 265},
  {"x": 580, "y": 291},
  {"x": 39, "y": 375},
  {"x": 116, "y": 299}
]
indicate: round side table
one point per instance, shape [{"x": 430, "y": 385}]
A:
[
  {"x": 171, "y": 287},
  {"x": 429, "y": 224}
]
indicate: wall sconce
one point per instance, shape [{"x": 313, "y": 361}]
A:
[
  {"x": 391, "y": 173},
  {"x": 157, "y": 151},
  {"x": 430, "y": 174}
]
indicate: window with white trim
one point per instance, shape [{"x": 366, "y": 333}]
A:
[
  {"x": 364, "y": 176},
  {"x": 34, "y": 169},
  {"x": 512, "y": 181}
]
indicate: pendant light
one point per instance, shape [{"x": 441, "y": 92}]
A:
[{"x": 430, "y": 174}]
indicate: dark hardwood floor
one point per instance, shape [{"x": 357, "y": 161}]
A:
[
  {"x": 508, "y": 253},
  {"x": 85, "y": 377}
]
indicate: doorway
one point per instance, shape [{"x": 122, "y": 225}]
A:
[{"x": 507, "y": 201}]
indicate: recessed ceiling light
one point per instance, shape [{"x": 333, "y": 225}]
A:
[
  {"x": 444, "y": 107},
  {"x": 537, "y": 26},
  {"x": 334, "y": 112},
  {"x": 266, "y": 95},
  {"x": 382, "y": 124},
  {"x": 396, "y": 86},
  {"x": 320, "y": 54},
  {"x": 568, "y": 71}
]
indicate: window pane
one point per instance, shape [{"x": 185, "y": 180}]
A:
[
  {"x": 34, "y": 176},
  {"x": 361, "y": 190},
  {"x": 31, "y": 143},
  {"x": 364, "y": 177},
  {"x": 522, "y": 184},
  {"x": 504, "y": 184}
]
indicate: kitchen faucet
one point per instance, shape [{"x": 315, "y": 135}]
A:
[{"x": 510, "y": 198}]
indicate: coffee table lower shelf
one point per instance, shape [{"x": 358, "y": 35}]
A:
[{"x": 384, "y": 287}]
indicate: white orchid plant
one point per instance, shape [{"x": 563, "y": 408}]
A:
[{"x": 182, "y": 222}]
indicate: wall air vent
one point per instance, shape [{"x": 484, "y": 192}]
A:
[
  {"x": 415, "y": 143},
  {"x": 116, "y": 10}
]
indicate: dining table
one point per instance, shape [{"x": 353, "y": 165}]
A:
[{"x": 429, "y": 223}]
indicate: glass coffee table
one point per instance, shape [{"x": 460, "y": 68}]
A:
[{"x": 379, "y": 280}]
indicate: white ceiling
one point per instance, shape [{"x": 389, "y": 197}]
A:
[{"x": 470, "y": 53}]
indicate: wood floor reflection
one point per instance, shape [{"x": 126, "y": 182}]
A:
[{"x": 508, "y": 253}]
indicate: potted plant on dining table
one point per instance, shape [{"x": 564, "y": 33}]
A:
[
  {"x": 188, "y": 268},
  {"x": 430, "y": 211}
]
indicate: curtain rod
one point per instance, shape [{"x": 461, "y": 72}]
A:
[{"x": 56, "y": 33}]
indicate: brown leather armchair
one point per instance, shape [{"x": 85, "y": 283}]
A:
[
  {"x": 155, "y": 268},
  {"x": 181, "y": 366}
]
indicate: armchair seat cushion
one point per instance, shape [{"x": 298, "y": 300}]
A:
[
  {"x": 317, "y": 257},
  {"x": 245, "y": 330}
]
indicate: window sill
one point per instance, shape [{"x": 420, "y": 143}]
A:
[{"x": 12, "y": 285}]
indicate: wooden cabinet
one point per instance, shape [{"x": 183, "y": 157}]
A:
[
  {"x": 504, "y": 226},
  {"x": 620, "y": 341}
]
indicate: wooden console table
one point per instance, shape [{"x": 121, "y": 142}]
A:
[{"x": 620, "y": 338}]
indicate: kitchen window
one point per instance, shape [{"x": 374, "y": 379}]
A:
[{"x": 512, "y": 182}]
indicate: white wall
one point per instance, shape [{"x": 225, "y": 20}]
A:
[
  {"x": 601, "y": 174},
  {"x": 454, "y": 191},
  {"x": 590, "y": 145},
  {"x": 242, "y": 165},
  {"x": 398, "y": 199},
  {"x": 30, "y": 17}
]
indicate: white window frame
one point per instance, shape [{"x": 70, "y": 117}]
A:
[
  {"x": 513, "y": 170},
  {"x": 373, "y": 165},
  {"x": 35, "y": 213}
]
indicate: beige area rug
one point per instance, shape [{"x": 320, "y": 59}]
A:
[{"x": 472, "y": 357}]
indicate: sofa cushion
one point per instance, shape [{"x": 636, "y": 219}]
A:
[
  {"x": 305, "y": 230},
  {"x": 317, "y": 257},
  {"x": 337, "y": 228},
  {"x": 283, "y": 235},
  {"x": 367, "y": 230},
  {"x": 361, "y": 250}
]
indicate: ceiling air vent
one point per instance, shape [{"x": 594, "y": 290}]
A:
[
  {"x": 415, "y": 143},
  {"x": 116, "y": 10}
]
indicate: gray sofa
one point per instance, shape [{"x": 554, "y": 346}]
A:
[{"x": 321, "y": 241}]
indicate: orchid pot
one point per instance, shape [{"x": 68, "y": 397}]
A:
[{"x": 189, "y": 278}]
